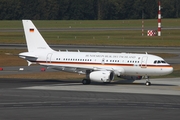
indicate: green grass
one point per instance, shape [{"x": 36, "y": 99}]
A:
[
  {"x": 91, "y": 23},
  {"x": 118, "y": 37},
  {"x": 130, "y": 38}
]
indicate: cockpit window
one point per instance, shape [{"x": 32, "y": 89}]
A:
[
  {"x": 163, "y": 61},
  {"x": 159, "y": 61}
]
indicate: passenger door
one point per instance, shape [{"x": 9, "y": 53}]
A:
[
  {"x": 48, "y": 58},
  {"x": 144, "y": 62}
]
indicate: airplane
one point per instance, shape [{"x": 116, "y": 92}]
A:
[{"x": 97, "y": 66}]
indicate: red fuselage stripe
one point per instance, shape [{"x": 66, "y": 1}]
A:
[{"x": 102, "y": 64}]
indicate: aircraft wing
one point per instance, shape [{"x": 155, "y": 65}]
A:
[{"x": 82, "y": 70}]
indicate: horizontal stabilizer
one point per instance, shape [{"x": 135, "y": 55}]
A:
[{"x": 27, "y": 55}]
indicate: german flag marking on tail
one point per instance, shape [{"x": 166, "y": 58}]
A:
[{"x": 31, "y": 30}]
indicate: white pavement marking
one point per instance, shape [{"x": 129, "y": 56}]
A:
[{"x": 163, "y": 86}]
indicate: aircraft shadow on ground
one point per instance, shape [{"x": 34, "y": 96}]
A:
[
  {"x": 78, "y": 82},
  {"x": 73, "y": 82}
]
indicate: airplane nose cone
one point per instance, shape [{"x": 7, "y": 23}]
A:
[{"x": 169, "y": 70}]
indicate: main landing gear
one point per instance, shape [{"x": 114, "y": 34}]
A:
[
  {"x": 148, "y": 83},
  {"x": 86, "y": 81}
]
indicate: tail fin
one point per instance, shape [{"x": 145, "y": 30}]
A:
[{"x": 34, "y": 39}]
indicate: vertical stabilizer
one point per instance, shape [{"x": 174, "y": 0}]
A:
[{"x": 35, "y": 42}]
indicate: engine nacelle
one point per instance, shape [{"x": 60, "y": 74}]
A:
[
  {"x": 131, "y": 77},
  {"x": 101, "y": 76}
]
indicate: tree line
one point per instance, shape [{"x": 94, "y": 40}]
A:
[{"x": 86, "y": 9}]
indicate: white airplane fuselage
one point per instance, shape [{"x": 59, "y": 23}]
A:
[{"x": 120, "y": 63}]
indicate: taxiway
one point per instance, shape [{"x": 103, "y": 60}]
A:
[{"x": 69, "y": 99}]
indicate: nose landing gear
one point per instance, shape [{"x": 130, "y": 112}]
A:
[{"x": 148, "y": 83}]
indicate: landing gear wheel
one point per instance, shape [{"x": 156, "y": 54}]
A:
[
  {"x": 86, "y": 81},
  {"x": 148, "y": 83}
]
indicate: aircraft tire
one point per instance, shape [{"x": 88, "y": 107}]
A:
[
  {"x": 148, "y": 83},
  {"x": 86, "y": 81}
]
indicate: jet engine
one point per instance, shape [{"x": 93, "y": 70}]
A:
[
  {"x": 130, "y": 77},
  {"x": 101, "y": 76}
]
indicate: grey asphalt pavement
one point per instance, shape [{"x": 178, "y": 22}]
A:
[{"x": 25, "y": 99}]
